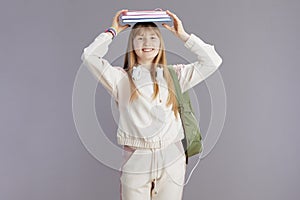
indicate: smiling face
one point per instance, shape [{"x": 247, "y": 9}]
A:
[{"x": 146, "y": 45}]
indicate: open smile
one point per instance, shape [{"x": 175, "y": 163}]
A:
[{"x": 147, "y": 49}]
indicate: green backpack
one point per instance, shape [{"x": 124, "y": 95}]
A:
[{"x": 192, "y": 141}]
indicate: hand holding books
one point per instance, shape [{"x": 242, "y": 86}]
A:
[
  {"x": 128, "y": 17},
  {"x": 116, "y": 25},
  {"x": 177, "y": 28}
]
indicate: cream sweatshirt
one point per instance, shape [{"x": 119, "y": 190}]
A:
[{"x": 147, "y": 123}]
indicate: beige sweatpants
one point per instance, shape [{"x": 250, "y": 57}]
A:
[{"x": 153, "y": 174}]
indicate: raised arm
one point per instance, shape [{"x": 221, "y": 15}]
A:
[
  {"x": 92, "y": 57},
  {"x": 208, "y": 60}
]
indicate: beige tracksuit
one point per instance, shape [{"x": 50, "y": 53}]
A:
[{"x": 155, "y": 169}]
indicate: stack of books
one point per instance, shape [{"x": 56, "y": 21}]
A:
[{"x": 145, "y": 16}]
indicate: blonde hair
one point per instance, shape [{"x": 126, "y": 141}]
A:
[{"x": 159, "y": 61}]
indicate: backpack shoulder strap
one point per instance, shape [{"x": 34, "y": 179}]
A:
[
  {"x": 180, "y": 101},
  {"x": 177, "y": 87},
  {"x": 183, "y": 99}
]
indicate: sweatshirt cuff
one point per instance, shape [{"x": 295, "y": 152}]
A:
[
  {"x": 192, "y": 40},
  {"x": 98, "y": 46},
  {"x": 104, "y": 36}
]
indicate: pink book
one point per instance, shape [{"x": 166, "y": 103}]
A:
[{"x": 145, "y": 12}]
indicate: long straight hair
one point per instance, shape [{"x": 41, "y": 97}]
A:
[{"x": 159, "y": 61}]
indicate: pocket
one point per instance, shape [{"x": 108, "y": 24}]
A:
[
  {"x": 134, "y": 174},
  {"x": 176, "y": 171},
  {"x": 138, "y": 161},
  {"x": 127, "y": 154}
]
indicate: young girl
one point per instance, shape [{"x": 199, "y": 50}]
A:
[{"x": 150, "y": 128}]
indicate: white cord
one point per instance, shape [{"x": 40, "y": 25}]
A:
[{"x": 199, "y": 158}]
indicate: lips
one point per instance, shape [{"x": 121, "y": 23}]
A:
[{"x": 147, "y": 49}]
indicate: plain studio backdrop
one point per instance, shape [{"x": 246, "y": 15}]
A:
[{"x": 257, "y": 153}]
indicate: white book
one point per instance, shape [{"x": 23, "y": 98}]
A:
[
  {"x": 145, "y": 12},
  {"x": 144, "y": 16}
]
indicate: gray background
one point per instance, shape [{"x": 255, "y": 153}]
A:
[{"x": 41, "y": 154}]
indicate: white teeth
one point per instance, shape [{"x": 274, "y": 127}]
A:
[{"x": 147, "y": 50}]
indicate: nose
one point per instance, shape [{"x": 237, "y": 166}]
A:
[{"x": 146, "y": 42}]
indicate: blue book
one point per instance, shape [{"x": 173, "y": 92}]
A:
[{"x": 165, "y": 19}]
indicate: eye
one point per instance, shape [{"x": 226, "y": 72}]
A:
[
  {"x": 139, "y": 38},
  {"x": 153, "y": 37}
]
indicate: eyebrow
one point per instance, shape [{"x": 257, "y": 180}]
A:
[{"x": 141, "y": 34}]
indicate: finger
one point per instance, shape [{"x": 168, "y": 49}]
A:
[
  {"x": 116, "y": 19},
  {"x": 124, "y": 10},
  {"x": 122, "y": 28},
  {"x": 171, "y": 14},
  {"x": 125, "y": 26},
  {"x": 119, "y": 13},
  {"x": 170, "y": 28},
  {"x": 175, "y": 18},
  {"x": 166, "y": 26}
]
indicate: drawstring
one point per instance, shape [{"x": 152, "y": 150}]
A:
[{"x": 154, "y": 170}]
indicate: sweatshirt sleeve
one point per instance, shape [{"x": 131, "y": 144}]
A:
[
  {"x": 92, "y": 57},
  {"x": 208, "y": 61}
]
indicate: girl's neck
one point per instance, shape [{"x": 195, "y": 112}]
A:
[{"x": 146, "y": 65}]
